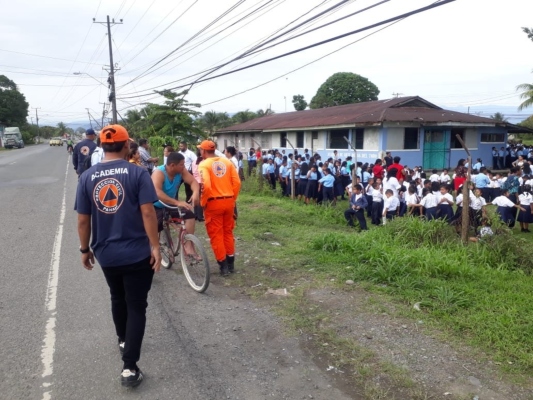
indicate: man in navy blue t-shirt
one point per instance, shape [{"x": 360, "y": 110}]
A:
[{"x": 114, "y": 202}]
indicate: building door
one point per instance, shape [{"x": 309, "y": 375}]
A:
[{"x": 436, "y": 149}]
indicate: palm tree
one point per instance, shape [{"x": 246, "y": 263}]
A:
[
  {"x": 211, "y": 121},
  {"x": 498, "y": 116},
  {"x": 265, "y": 112},
  {"x": 62, "y": 128},
  {"x": 527, "y": 95},
  {"x": 244, "y": 116}
]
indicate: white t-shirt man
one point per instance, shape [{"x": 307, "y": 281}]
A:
[{"x": 190, "y": 158}]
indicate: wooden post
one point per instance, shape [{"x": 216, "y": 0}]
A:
[
  {"x": 354, "y": 174},
  {"x": 465, "y": 217},
  {"x": 292, "y": 171},
  {"x": 259, "y": 166}
]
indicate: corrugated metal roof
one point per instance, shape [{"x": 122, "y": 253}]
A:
[{"x": 402, "y": 109}]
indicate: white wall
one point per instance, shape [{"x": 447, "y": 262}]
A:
[
  {"x": 371, "y": 139},
  {"x": 471, "y": 139}
]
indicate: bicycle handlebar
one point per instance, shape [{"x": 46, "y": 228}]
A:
[{"x": 170, "y": 207}]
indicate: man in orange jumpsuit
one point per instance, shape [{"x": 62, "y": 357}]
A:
[{"x": 221, "y": 185}]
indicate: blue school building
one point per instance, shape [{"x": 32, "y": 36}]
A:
[{"x": 421, "y": 133}]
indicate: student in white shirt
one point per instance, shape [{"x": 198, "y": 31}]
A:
[
  {"x": 429, "y": 203},
  {"x": 412, "y": 200},
  {"x": 506, "y": 209},
  {"x": 368, "y": 193},
  {"x": 377, "y": 204},
  {"x": 391, "y": 206},
  {"x": 444, "y": 177},
  {"x": 434, "y": 177},
  {"x": 477, "y": 206},
  {"x": 526, "y": 202},
  {"x": 444, "y": 208},
  {"x": 391, "y": 183}
]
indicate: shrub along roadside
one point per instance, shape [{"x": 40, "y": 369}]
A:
[{"x": 482, "y": 293}]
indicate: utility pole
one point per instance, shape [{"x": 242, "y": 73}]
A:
[
  {"x": 37, "y": 120},
  {"x": 103, "y": 114},
  {"x": 111, "y": 80},
  {"x": 89, "y": 114}
]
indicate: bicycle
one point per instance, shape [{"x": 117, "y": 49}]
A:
[{"x": 172, "y": 240}]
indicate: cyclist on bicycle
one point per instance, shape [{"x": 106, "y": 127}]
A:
[
  {"x": 70, "y": 146},
  {"x": 167, "y": 179}
]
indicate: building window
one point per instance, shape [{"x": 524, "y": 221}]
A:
[
  {"x": 336, "y": 138},
  {"x": 410, "y": 139},
  {"x": 299, "y": 139},
  {"x": 454, "y": 143},
  {"x": 283, "y": 139},
  {"x": 358, "y": 138},
  {"x": 314, "y": 135},
  {"x": 492, "y": 137}
]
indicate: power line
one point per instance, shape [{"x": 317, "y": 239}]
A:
[
  {"x": 41, "y": 56},
  {"x": 187, "y": 50},
  {"x": 161, "y": 33},
  {"x": 311, "y": 62},
  {"x": 397, "y": 18},
  {"x": 139, "y": 20},
  {"x": 190, "y": 39}
]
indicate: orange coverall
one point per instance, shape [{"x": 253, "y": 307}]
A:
[{"x": 221, "y": 185}]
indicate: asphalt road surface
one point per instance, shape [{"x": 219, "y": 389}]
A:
[{"x": 57, "y": 336}]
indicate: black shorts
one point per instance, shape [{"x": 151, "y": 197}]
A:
[{"x": 160, "y": 212}]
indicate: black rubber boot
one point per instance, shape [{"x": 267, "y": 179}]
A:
[
  {"x": 224, "y": 270},
  {"x": 231, "y": 263}
]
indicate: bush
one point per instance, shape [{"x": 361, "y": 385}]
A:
[{"x": 27, "y": 137}]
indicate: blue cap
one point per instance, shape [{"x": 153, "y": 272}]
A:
[{"x": 90, "y": 132}]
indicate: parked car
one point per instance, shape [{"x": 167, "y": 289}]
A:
[
  {"x": 13, "y": 138},
  {"x": 56, "y": 142}
]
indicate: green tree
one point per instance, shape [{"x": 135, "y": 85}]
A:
[
  {"x": 299, "y": 102},
  {"x": 13, "y": 104},
  {"x": 527, "y": 123},
  {"x": 244, "y": 116},
  {"x": 527, "y": 88},
  {"x": 498, "y": 116},
  {"x": 61, "y": 128},
  {"x": 344, "y": 88},
  {"x": 175, "y": 117},
  {"x": 210, "y": 121},
  {"x": 264, "y": 113}
]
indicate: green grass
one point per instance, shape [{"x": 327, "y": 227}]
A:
[{"x": 481, "y": 294}]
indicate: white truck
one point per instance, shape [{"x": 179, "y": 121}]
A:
[{"x": 13, "y": 138}]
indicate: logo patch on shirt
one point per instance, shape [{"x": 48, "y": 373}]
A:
[
  {"x": 85, "y": 150},
  {"x": 108, "y": 195},
  {"x": 219, "y": 169}
]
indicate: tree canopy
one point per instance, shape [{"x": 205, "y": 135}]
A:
[
  {"x": 526, "y": 88},
  {"x": 344, "y": 88},
  {"x": 299, "y": 102},
  {"x": 13, "y": 104},
  {"x": 498, "y": 116}
]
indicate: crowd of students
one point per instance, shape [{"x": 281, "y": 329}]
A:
[{"x": 387, "y": 189}]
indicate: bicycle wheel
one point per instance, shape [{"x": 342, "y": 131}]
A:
[
  {"x": 165, "y": 244},
  {"x": 196, "y": 270}
]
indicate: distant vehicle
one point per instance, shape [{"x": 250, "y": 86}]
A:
[
  {"x": 13, "y": 138},
  {"x": 56, "y": 141}
]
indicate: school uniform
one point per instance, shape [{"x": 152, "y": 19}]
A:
[
  {"x": 327, "y": 181},
  {"x": 345, "y": 177},
  {"x": 525, "y": 200},
  {"x": 391, "y": 205},
  {"x": 501, "y": 159},
  {"x": 494, "y": 159},
  {"x": 302, "y": 185},
  {"x": 444, "y": 178},
  {"x": 482, "y": 182},
  {"x": 283, "y": 176},
  {"x": 357, "y": 200},
  {"x": 311, "y": 190},
  {"x": 444, "y": 209},
  {"x": 476, "y": 207},
  {"x": 272, "y": 175},
  {"x": 403, "y": 205},
  {"x": 392, "y": 184},
  {"x": 377, "y": 206},
  {"x": 368, "y": 193},
  {"x": 505, "y": 210},
  {"x": 412, "y": 199},
  {"x": 434, "y": 178},
  {"x": 430, "y": 202}
]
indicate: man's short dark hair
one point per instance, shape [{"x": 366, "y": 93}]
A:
[
  {"x": 175, "y": 158},
  {"x": 396, "y": 160},
  {"x": 142, "y": 142},
  {"x": 231, "y": 150},
  {"x": 183, "y": 142},
  {"x": 358, "y": 187},
  {"x": 113, "y": 147}
]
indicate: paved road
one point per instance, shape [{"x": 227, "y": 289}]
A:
[{"x": 56, "y": 331}]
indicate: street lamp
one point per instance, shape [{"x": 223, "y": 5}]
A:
[{"x": 90, "y": 76}]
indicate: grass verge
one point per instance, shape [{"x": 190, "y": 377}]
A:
[{"x": 480, "y": 294}]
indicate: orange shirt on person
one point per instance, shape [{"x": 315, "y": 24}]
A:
[{"x": 219, "y": 178}]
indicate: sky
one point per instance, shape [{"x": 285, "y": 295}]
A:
[{"x": 468, "y": 53}]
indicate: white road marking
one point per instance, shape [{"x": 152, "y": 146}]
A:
[{"x": 49, "y": 342}]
